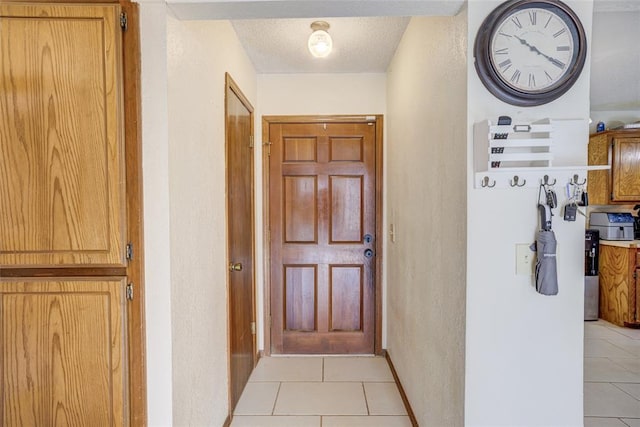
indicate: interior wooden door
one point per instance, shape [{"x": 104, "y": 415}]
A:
[
  {"x": 323, "y": 228},
  {"x": 63, "y": 356},
  {"x": 62, "y": 180},
  {"x": 239, "y": 139}
]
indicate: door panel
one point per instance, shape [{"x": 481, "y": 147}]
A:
[
  {"x": 346, "y": 209},
  {"x": 239, "y": 129},
  {"x": 301, "y": 287},
  {"x": 62, "y": 186},
  {"x": 626, "y": 162},
  {"x": 322, "y": 204},
  {"x": 346, "y": 286},
  {"x": 62, "y": 354}
]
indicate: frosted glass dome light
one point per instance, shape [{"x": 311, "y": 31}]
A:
[{"x": 320, "y": 43}]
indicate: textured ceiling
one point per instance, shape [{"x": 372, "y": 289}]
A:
[
  {"x": 360, "y": 45},
  {"x": 270, "y": 9},
  {"x": 367, "y": 44}
]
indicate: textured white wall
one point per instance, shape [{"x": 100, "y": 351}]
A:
[
  {"x": 309, "y": 94},
  {"x": 199, "y": 53},
  {"x": 427, "y": 206},
  {"x": 615, "y": 63},
  {"x": 523, "y": 350},
  {"x": 155, "y": 170}
]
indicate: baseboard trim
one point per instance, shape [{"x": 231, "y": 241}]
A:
[{"x": 405, "y": 400}]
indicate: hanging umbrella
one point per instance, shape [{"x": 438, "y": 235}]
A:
[{"x": 546, "y": 266}]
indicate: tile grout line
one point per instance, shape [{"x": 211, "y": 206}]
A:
[
  {"x": 366, "y": 401},
  {"x": 276, "y": 399},
  {"x": 611, "y": 359},
  {"x": 622, "y": 349},
  {"x": 624, "y": 391},
  {"x": 623, "y": 422}
]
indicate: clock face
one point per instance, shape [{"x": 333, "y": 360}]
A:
[
  {"x": 530, "y": 52},
  {"x": 532, "y": 49}
]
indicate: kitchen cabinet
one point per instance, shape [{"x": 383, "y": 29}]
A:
[
  {"x": 620, "y": 283},
  {"x": 620, "y": 149}
]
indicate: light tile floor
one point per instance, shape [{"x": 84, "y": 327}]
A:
[
  {"x": 321, "y": 391},
  {"x": 611, "y": 375}
]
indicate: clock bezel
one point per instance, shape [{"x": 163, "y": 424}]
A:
[{"x": 521, "y": 97}]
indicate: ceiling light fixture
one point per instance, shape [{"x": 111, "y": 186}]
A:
[{"x": 320, "y": 42}]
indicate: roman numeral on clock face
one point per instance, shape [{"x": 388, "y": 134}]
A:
[
  {"x": 505, "y": 65},
  {"x": 515, "y": 78},
  {"x": 562, "y": 31},
  {"x": 516, "y": 21}
]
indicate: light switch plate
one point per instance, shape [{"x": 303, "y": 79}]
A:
[{"x": 524, "y": 260}]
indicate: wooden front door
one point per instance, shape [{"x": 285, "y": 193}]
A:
[
  {"x": 239, "y": 140},
  {"x": 322, "y": 222}
]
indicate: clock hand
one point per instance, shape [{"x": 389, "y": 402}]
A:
[{"x": 535, "y": 49}]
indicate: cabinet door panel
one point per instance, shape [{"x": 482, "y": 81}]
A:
[
  {"x": 62, "y": 352},
  {"x": 626, "y": 167},
  {"x": 62, "y": 193},
  {"x": 598, "y": 180}
]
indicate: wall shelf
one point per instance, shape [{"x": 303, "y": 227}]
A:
[{"x": 521, "y": 154}]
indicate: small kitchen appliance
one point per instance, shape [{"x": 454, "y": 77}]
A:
[
  {"x": 613, "y": 225},
  {"x": 591, "y": 278}
]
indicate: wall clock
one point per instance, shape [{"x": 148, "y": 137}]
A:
[{"x": 530, "y": 52}]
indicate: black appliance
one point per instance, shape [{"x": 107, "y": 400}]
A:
[
  {"x": 636, "y": 223},
  {"x": 591, "y": 280}
]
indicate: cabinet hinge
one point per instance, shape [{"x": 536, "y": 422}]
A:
[
  {"x": 129, "y": 253},
  {"x": 124, "y": 21},
  {"x": 250, "y": 141},
  {"x": 268, "y": 145},
  {"x": 253, "y": 328},
  {"x": 130, "y": 291}
]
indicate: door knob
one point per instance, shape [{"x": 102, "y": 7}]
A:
[
  {"x": 235, "y": 266},
  {"x": 368, "y": 253}
]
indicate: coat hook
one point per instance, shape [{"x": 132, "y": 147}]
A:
[
  {"x": 574, "y": 181},
  {"x": 514, "y": 182},
  {"x": 485, "y": 182},
  {"x": 546, "y": 181}
]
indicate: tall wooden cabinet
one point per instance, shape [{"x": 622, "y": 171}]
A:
[
  {"x": 620, "y": 149},
  {"x": 64, "y": 331}
]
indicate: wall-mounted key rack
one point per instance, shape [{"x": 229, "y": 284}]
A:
[{"x": 524, "y": 154}]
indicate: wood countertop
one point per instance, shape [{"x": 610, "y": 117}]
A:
[{"x": 621, "y": 243}]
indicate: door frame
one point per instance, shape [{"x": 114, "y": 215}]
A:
[
  {"x": 231, "y": 85},
  {"x": 266, "y": 152}
]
